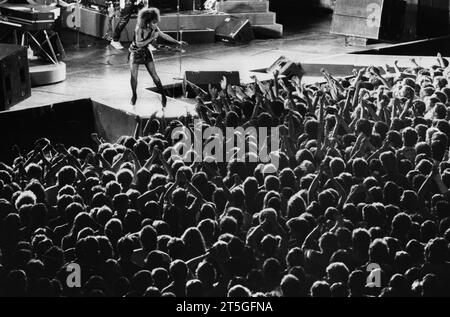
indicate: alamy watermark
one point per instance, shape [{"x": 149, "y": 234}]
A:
[
  {"x": 374, "y": 278},
  {"x": 374, "y": 12},
  {"x": 73, "y": 279}
]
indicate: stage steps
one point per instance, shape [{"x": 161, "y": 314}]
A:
[
  {"x": 258, "y": 13},
  {"x": 244, "y": 6}
]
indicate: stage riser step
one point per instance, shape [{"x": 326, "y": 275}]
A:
[
  {"x": 258, "y": 18},
  {"x": 196, "y": 36},
  {"x": 244, "y": 6},
  {"x": 191, "y": 22},
  {"x": 268, "y": 31}
]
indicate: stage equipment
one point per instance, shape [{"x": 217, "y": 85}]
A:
[
  {"x": 286, "y": 68},
  {"x": 370, "y": 19},
  {"x": 14, "y": 75},
  {"x": 34, "y": 24},
  {"x": 235, "y": 30}
]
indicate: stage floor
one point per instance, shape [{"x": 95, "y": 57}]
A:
[{"x": 101, "y": 72}]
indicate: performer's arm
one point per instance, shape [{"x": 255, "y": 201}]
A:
[{"x": 169, "y": 38}]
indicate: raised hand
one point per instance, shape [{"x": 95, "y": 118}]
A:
[
  {"x": 319, "y": 93},
  {"x": 361, "y": 72},
  {"x": 283, "y": 85},
  {"x": 41, "y": 143},
  {"x": 359, "y": 188},
  {"x": 276, "y": 74},
  {"x": 96, "y": 139},
  {"x": 239, "y": 92},
  {"x": 296, "y": 81},
  {"x": 375, "y": 70},
  {"x": 231, "y": 92},
  {"x": 213, "y": 91},
  {"x": 250, "y": 90},
  {"x": 413, "y": 61},
  {"x": 446, "y": 156},
  {"x": 223, "y": 83},
  {"x": 363, "y": 92},
  {"x": 380, "y": 93}
]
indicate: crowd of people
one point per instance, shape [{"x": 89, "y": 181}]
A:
[{"x": 357, "y": 206}]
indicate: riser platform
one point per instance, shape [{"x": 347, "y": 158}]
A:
[
  {"x": 258, "y": 13},
  {"x": 243, "y": 6}
]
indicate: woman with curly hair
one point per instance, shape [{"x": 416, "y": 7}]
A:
[{"x": 147, "y": 31}]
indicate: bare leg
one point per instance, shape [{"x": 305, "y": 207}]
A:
[
  {"x": 152, "y": 71},
  {"x": 133, "y": 81}
]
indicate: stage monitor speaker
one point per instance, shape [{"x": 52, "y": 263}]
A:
[
  {"x": 14, "y": 75},
  {"x": 235, "y": 30},
  {"x": 286, "y": 68},
  {"x": 204, "y": 78}
]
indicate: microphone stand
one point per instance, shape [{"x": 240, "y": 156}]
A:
[{"x": 179, "y": 37}]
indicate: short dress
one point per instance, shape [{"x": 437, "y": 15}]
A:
[{"x": 141, "y": 55}]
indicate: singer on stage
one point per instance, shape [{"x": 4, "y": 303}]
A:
[{"x": 145, "y": 32}]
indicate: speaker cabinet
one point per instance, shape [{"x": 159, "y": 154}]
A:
[
  {"x": 235, "y": 30},
  {"x": 286, "y": 68},
  {"x": 14, "y": 75}
]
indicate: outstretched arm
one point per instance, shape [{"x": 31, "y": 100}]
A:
[
  {"x": 169, "y": 38},
  {"x": 314, "y": 184},
  {"x": 311, "y": 240}
]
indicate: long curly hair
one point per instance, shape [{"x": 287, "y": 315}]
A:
[{"x": 147, "y": 15}]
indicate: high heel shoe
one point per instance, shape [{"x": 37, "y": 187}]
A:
[{"x": 133, "y": 100}]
